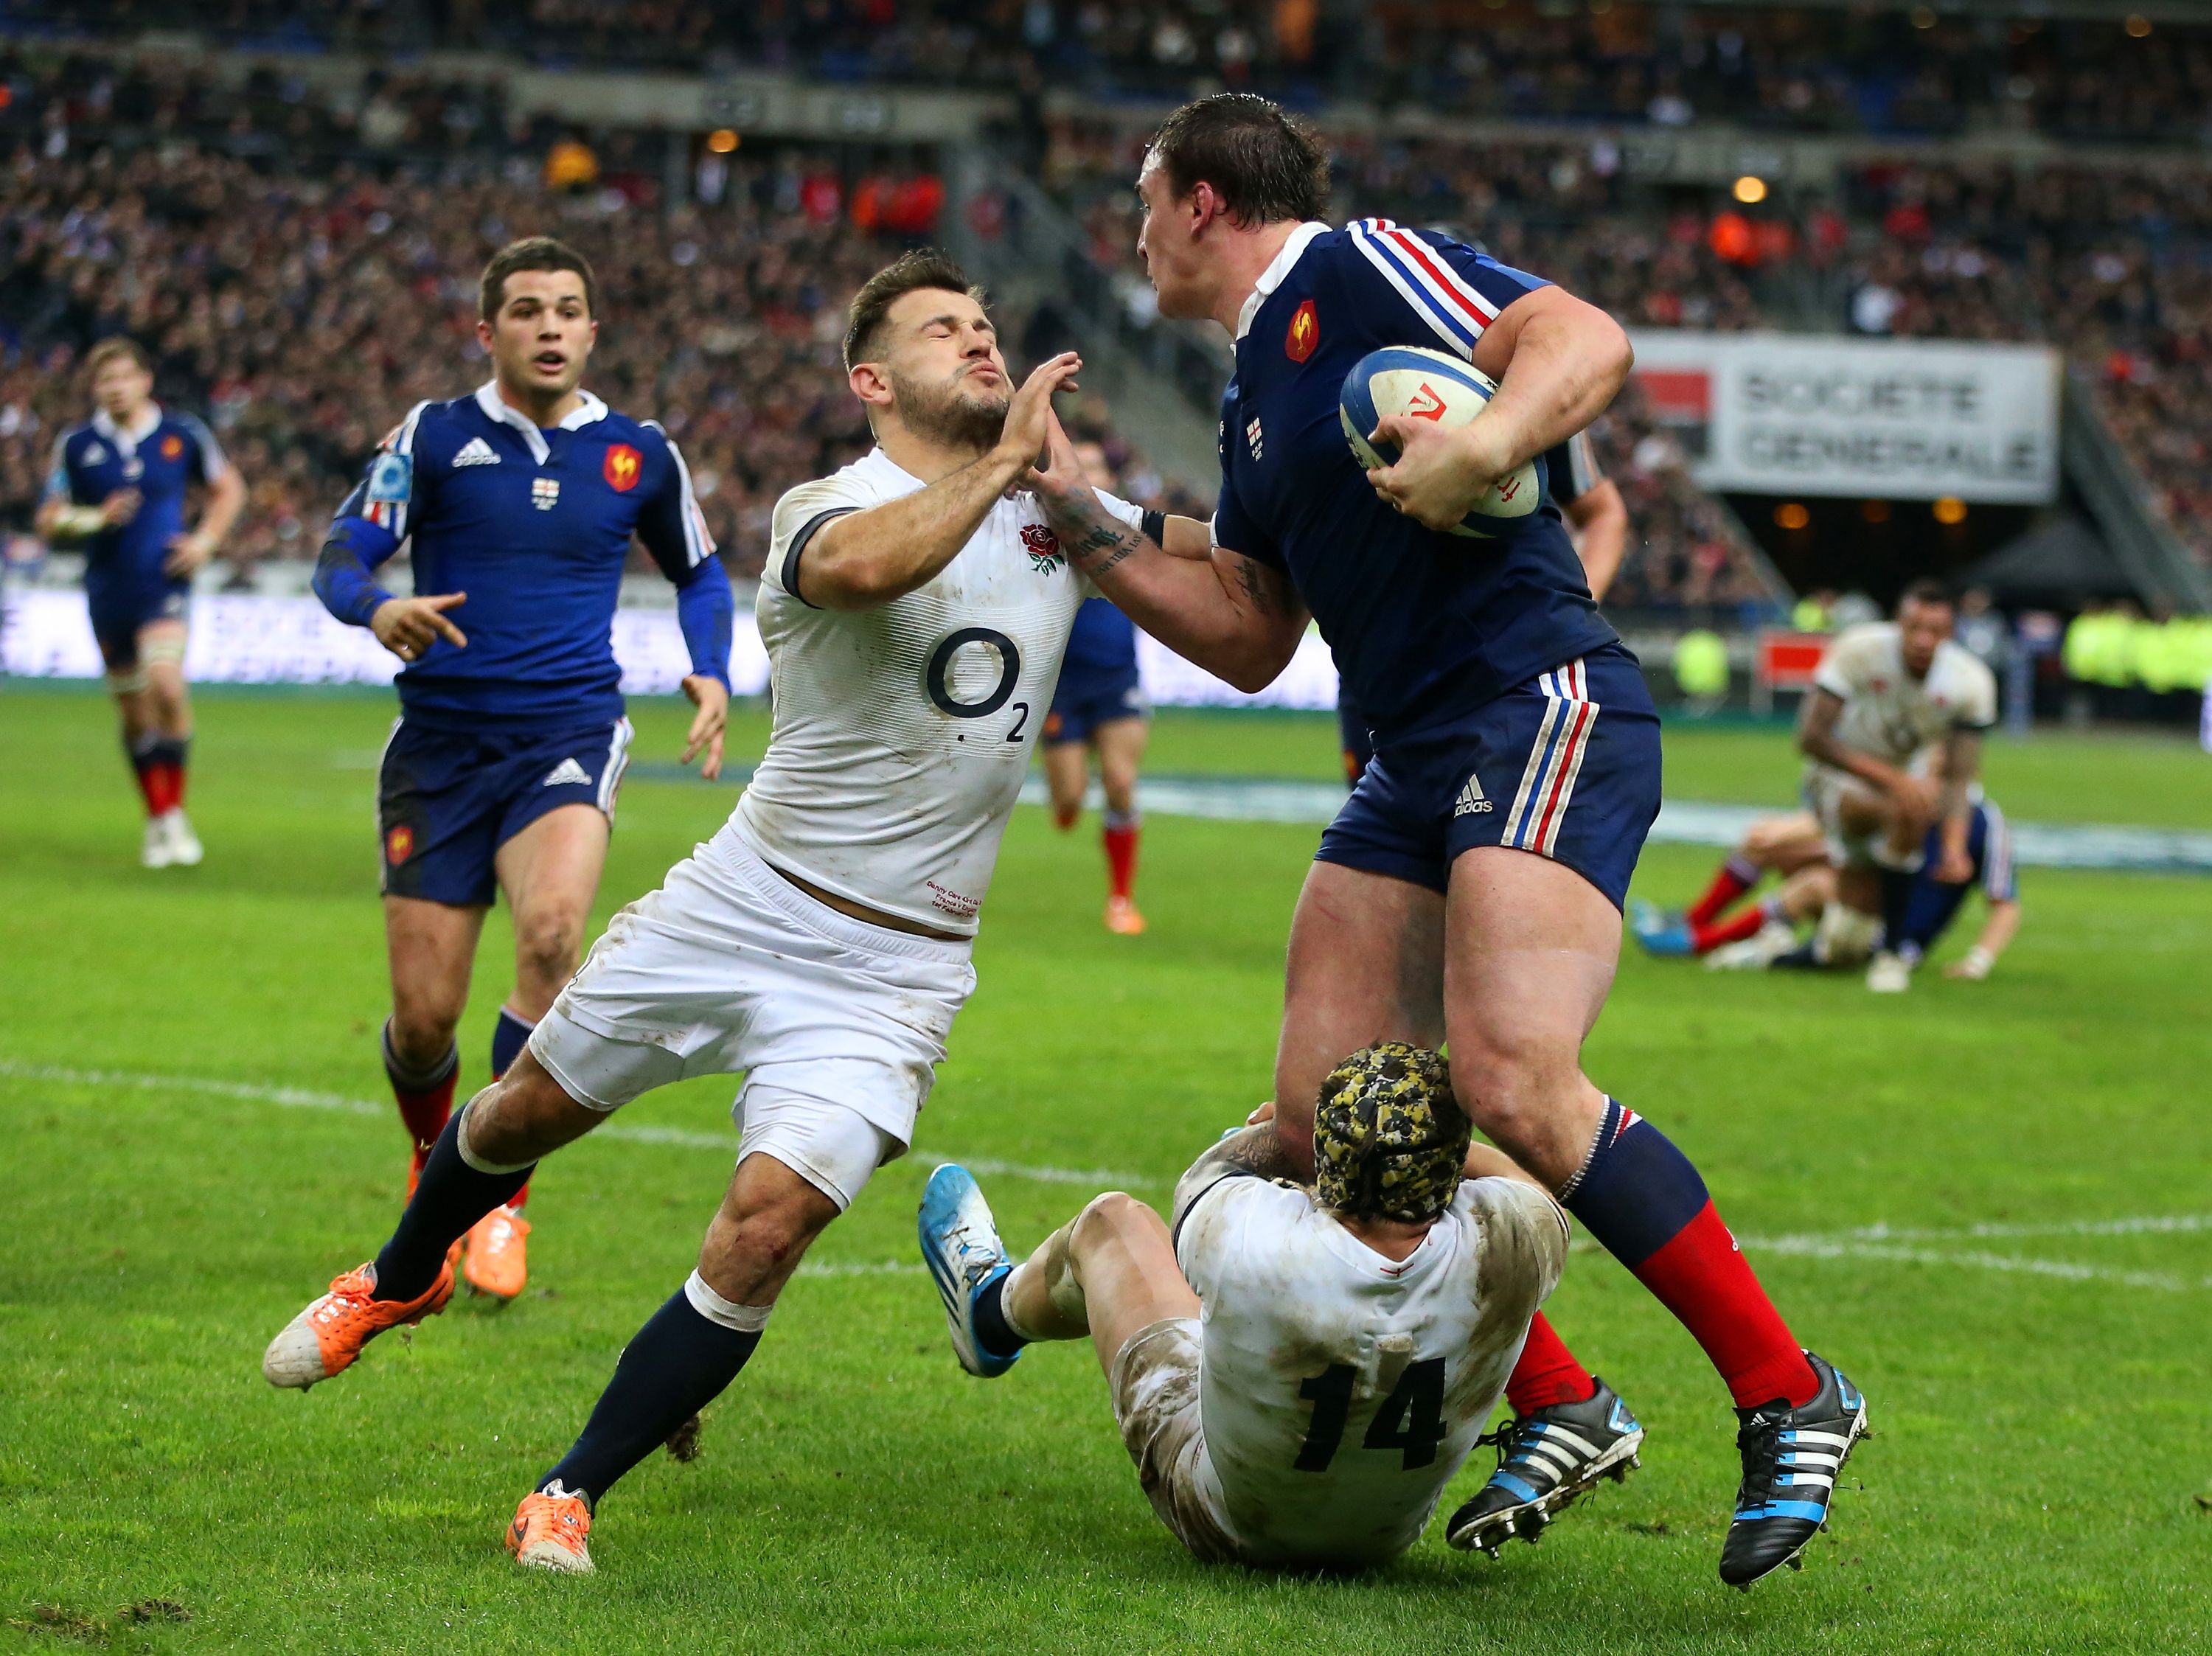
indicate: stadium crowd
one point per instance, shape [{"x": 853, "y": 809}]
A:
[{"x": 1814, "y": 69}]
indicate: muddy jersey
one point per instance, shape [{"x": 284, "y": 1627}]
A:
[{"x": 1342, "y": 1390}]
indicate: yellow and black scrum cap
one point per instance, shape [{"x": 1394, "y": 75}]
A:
[{"x": 1389, "y": 1137}]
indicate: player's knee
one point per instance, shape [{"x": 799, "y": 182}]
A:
[
  {"x": 547, "y": 948},
  {"x": 1510, "y": 1088},
  {"x": 1113, "y": 1216},
  {"x": 757, "y": 1245},
  {"x": 422, "y": 1027}
]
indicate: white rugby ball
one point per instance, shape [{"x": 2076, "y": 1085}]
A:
[{"x": 1439, "y": 386}]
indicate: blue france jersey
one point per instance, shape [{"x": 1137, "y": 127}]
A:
[
  {"x": 162, "y": 459},
  {"x": 534, "y": 525},
  {"x": 1103, "y": 645},
  {"x": 1425, "y": 627}
]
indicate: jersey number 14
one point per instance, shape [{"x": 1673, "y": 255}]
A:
[{"x": 1410, "y": 1419}]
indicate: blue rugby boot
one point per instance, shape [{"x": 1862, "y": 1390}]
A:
[
  {"x": 1545, "y": 1460},
  {"x": 1660, "y": 930},
  {"x": 1791, "y": 1460},
  {"x": 961, "y": 1246}
]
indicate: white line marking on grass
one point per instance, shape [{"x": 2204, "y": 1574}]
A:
[
  {"x": 1814, "y": 1248},
  {"x": 300, "y": 1098}
]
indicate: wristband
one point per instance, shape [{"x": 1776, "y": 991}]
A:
[
  {"x": 1155, "y": 527},
  {"x": 79, "y": 522}
]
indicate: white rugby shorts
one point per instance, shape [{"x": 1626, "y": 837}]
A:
[
  {"x": 1825, "y": 790},
  {"x": 1154, "y": 1383},
  {"x": 838, "y": 1025}
]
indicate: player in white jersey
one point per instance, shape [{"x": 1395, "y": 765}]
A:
[
  {"x": 915, "y": 609},
  {"x": 1297, "y": 1372},
  {"x": 1885, "y": 691}
]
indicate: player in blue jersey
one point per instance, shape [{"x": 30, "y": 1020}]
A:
[
  {"x": 120, "y": 488},
  {"x": 1597, "y": 516},
  {"x": 1471, "y": 888},
  {"x": 519, "y": 503},
  {"x": 1099, "y": 706}
]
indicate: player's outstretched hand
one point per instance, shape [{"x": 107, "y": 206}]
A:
[
  {"x": 120, "y": 507},
  {"x": 707, "y": 725},
  {"x": 1057, "y": 478},
  {"x": 1439, "y": 475},
  {"x": 408, "y": 627},
  {"x": 1030, "y": 414}
]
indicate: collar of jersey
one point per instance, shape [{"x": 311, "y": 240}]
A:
[
  {"x": 497, "y": 408},
  {"x": 1374, "y": 1260},
  {"x": 1273, "y": 276},
  {"x": 103, "y": 423}
]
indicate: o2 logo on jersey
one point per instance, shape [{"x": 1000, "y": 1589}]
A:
[
  {"x": 621, "y": 467},
  {"x": 1043, "y": 547},
  {"x": 938, "y": 678},
  {"x": 172, "y": 446},
  {"x": 1304, "y": 335}
]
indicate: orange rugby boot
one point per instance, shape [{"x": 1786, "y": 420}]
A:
[
  {"x": 324, "y": 1339},
  {"x": 1123, "y": 918},
  {"x": 496, "y": 1263},
  {"x": 552, "y": 1530}
]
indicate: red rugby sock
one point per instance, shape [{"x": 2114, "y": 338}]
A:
[
  {"x": 1736, "y": 876},
  {"x": 1705, "y": 938},
  {"x": 1120, "y": 839},
  {"x": 1548, "y": 1373}
]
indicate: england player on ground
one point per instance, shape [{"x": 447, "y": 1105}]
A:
[
  {"x": 1471, "y": 888},
  {"x": 1297, "y": 1372},
  {"x": 519, "y": 503},
  {"x": 914, "y": 607},
  {"x": 1885, "y": 692},
  {"x": 1596, "y": 518},
  {"x": 119, "y": 488},
  {"x": 1099, "y": 706},
  {"x": 1787, "y": 843}
]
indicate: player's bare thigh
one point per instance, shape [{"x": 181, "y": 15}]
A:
[
  {"x": 431, "y": 948},
  {"x": 1529, "y": 955},
  {"x": 1366, "y": 964},
  {"x": 1066, "y": 773},
  {"x": 1125, "y": 1260},
  {"x": 1785, "y": 843},
  {"x": 1121, "y": 752},
  {"x": 526, "y": 1115},
  {"x": 550, "y": 872}
]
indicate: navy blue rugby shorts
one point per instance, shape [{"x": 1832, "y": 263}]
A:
[
  {"x": 1565, "y": 765},
  {"x": 446, "y": 800}
]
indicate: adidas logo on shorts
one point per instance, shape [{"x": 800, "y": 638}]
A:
[
  {"x": 475, "y": 453},
  {"x": 569, "y": 773},
  {"x": 1471, "y": 802}
]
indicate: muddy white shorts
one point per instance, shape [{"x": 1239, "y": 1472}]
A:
[
  {"x": 838, "y": 1025},
  {"x": 1826, "y": 792},
  {"x": 1154, "y": 1384}
]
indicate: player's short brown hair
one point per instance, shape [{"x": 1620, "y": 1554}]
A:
[
  {"x": 116, "y": 345},
  {"x": 1927, "y": 590},
  {"x": 533, "y": 253},
  {"x": 1265, "y": 163},
  {"x": 925, "y": 268}
]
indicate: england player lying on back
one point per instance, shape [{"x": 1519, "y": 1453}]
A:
[
  {"x": 914, "y": 608},
  {"x": 1297, "y": 1372}
]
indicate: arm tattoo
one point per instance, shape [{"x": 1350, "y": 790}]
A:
[
  {"x": 1102, "y": 545},
  {"x": 1260, "y": 586}
]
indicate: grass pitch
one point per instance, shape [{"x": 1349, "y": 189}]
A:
[{"x": 2031, "y": 1328}]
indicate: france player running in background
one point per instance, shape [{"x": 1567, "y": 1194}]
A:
[
  {"x": 1471, "y": 888},
  {"x": 519, "y": 503},
  {"x": 1099, "y": 706},
  {"x": 119, "y": 488}
]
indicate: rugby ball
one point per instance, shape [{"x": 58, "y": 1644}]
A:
[{"x": 1439, "y": 386}]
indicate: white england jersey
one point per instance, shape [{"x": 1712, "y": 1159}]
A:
[
  {"x": 1890, "y": 714},
  {"x": 1339, "y": 1390},
  {"x": 902, "y": 733}
]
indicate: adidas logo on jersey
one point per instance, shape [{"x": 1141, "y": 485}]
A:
[
  {"x": 569, "y": 773},
  {"x": 475, "y": 453},
  {"x": 1471, "y": 802}
]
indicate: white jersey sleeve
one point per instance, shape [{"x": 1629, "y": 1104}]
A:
[
  {"x": 903, "y": 733},
  {"x": 1847, "y": 669},
  {"x": 1965, "y": 686},
  {"x": 1340, "y": 1390},
  {"x": 803, "y": 513}
]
